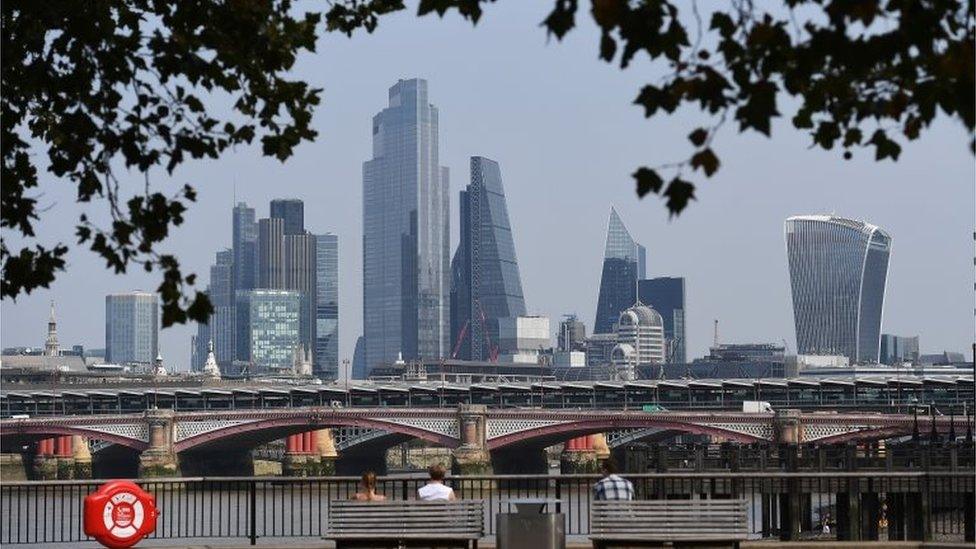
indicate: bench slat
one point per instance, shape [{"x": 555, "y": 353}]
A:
[
  {"x": 669, "y": 520},
  {"x": 414, "y": 520}
]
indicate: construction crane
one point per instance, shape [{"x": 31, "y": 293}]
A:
[
  {"x": 461, "y": 334},
  {"x": 492, "y": 349}
]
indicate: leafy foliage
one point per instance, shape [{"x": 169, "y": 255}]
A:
[
  {"x": 113, "y": 83},
  {"x": 878, "y": 68}
]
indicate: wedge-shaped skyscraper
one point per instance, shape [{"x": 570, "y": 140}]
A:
[
  {"x": 838, "y": 271},
  {"x": 485, "y": 281},
  {"x": 406, "y": 236},
  {"x": 623, "y": 265}
]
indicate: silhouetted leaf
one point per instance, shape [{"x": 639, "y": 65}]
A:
[
  {"x": 706, "y": 160},
  {"x": 648, "y": 181},
  {"x": 679, "y": 192}
]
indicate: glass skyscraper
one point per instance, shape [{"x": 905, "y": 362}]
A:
[
  {"x": 327, "y": 306},
  {"x": 131, "y": 328},
  {"x": 268, "y": 328},
  {"x": 292, "y": 213},
  {"x": 623, "y": 265},
  {"x": 838, "y": 270},
  {"x": 406, "y": 236},
  {"x": 244, "y": 243},
  {"x": 485, "y": 275},
  {"x": 667, "y": 296}
]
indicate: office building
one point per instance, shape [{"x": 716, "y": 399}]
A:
[
  {"x": 291, "y": 212},
  {"x": 640, "y": 341},
  {"x": 666, "y": 295},
  {"x": 898, "y": 349},
  {"x": 623, "y": 265},
  {"x": 522, "y": 338},
  {"x": 219, "y": 329},
  {"x": 131, "y": 328},
  {"x": 300, "y": 276},
  {"x": 599, "y": 348},
  {"x": 838, "y": 269},
  {"x": 746, "y": 352},
  {"x": 406, "y": 232},
  {"x": 358, "y": 369},
  {"x": 326, "y": 364},
  {"x": 485, "y": 282},
  {"x": 271, "y": 253},
  {"x": 244, "y": 242},
  {"x": 572, "y": 334},
  {"x": 269, "y": 329}
]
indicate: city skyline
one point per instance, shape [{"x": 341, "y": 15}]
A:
[{"x": 562, "y": 173}]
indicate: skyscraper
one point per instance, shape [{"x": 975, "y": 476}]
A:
[
  {"x": 131, "y": 328},
  {"x": 667, "y": 296},
  {"x": 623, "y": 265},
  {"x": 406, "y": 232},
  {"x": 485, "y": 281},
  {"x": 271, "y": 253},
  {"x": 291, "y": 211},
  {"x": 220, "y": 327},
  {"x": 244, "y": 242},
  {"x": 327, "y": 306},
  {"x": 838, "y": 269}
]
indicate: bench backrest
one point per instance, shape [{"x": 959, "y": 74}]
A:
[
  {"x": 378, "y": 518},
  {"x": 671, "y": 518}
]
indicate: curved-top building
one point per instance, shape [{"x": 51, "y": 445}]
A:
[{"x": 838, "y": 270}]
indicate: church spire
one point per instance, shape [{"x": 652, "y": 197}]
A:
[{"x": 51, "y": 347}]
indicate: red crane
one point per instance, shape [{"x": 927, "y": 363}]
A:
[{"x": 492, "y": 349}]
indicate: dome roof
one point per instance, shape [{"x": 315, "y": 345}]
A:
[{"x": 643, "y": 315}]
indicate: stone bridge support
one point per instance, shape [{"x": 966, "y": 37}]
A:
[
  {"x": 159, "y": 459},
  {"x": 309, "y": 454},
  {"x": 579, "y": 456},
  {"x": 472, "y": 456}
]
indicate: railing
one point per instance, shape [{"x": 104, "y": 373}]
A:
[{"x": 934, "y": 505}]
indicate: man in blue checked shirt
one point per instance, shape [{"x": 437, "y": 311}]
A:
[{"x": 611, "y": 486}]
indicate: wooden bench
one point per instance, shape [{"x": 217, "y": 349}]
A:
[
  {"x": 415, "y": 523},
  {"x": 679, "y": 522}
]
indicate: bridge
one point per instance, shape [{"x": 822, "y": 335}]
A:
[
  {"x": 476, "y": 434},
  {"x": 873, "y": 393}
]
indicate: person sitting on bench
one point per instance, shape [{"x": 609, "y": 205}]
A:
[
  {"x": 611, "y": 486},
  {"x": 435, "y": 489},
  {"x": 368, "y": 492}
]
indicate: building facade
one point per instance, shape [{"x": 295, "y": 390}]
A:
[
  {"x": 623, "y": 265},
  {"x": 269, "y": 329},
  {"x": 291, "y": 212},
  {"x": 666, "y": 295},
  {"x": 326, "y": 363},
  {"x": 406, "y": 234},
  {"x": 838, "y": 271},
  {"x": 244, "y": 241},
  {"x": 640, "y": 341},
  {"x": 220, "y": 328},
  {"x": 131, "y": 328},
  {"x": 572, "y": 334},
  {"x": 485, "y": 281},
  {"x": 522, "y": 338},
  {"x": 898, "y": 349}
]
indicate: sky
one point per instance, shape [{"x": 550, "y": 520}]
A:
[{"x": 562, "y": 125}]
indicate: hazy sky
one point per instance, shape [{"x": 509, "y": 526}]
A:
[{"x": 561, "y": 124}]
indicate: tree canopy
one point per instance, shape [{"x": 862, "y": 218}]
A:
[{"x": 106, "y": 83}]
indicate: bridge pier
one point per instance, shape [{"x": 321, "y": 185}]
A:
[
  {"x": 472, "y": 456},
  {"x": 12, "y": 467},
  {"x": 45, "y": 460},
  {"x": 82, "y": 457},
  {"x": 579, "y": 457},
  {"x": 159, "y": 460}
]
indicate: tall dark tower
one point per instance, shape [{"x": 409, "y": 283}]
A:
[
  {"x": 623, "y": 265},
  {"x": 485, "y": 281}
]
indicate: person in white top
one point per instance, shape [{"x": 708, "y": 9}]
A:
[{"x": 435, "y": 489}]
